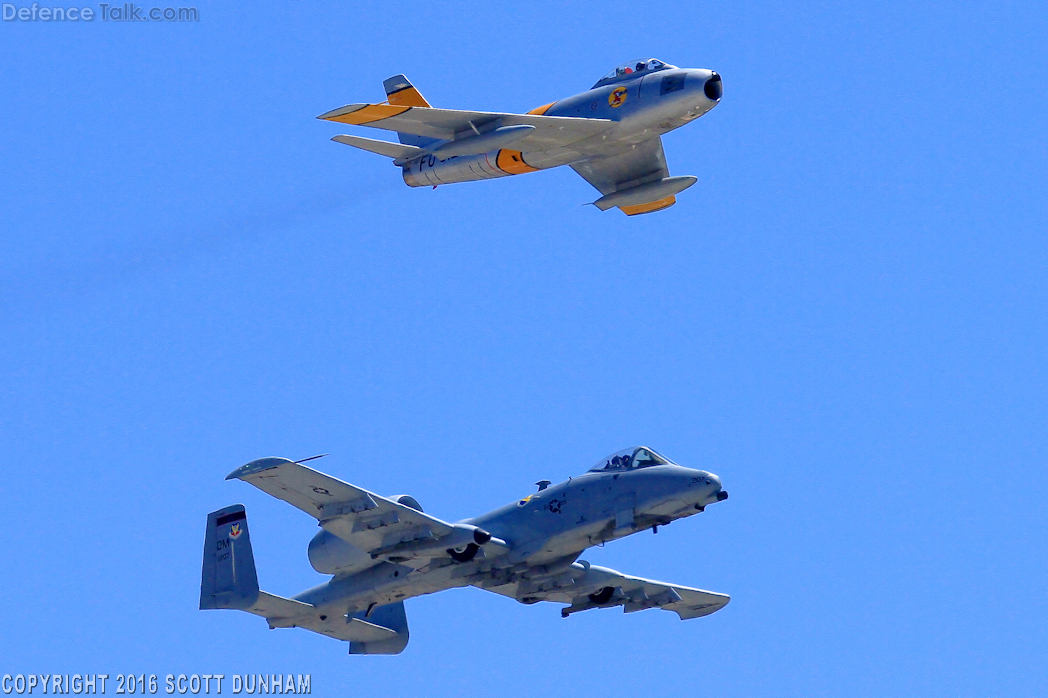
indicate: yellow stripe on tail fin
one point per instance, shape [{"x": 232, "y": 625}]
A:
[{"x": 401, "y": 93}]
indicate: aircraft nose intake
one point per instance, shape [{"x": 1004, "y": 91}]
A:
[{"x": 713, "y": 89}]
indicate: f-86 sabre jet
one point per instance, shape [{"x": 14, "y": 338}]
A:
[
  {"x": 610, "y": 134},
  {"x": 382, "y": 550}
]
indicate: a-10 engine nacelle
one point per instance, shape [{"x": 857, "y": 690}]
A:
[{"x": 329, "y": 554}]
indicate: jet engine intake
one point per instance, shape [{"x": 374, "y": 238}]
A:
[{"x": 714, "y": 88}]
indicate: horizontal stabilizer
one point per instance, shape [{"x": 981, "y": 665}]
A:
[
  {"x": 397, "y": 151},
  {"x": 274, "y": 608},
  {"x": 386, "y": 627},
  {"x": 288, "y": 613}
]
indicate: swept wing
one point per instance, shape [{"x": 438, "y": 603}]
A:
[
  {"x": 584, "y": 586},
  {"x": 443, "y": 124},
  {"x": 642, "y": 163},
  {"x": 640, "y": 168},
  {"x": 374, "y": 524}
]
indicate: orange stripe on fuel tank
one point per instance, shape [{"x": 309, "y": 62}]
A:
[
  {"x": 372, "y": 112},
  {"x": 539, "y": 111},
  {"x": 649, "y": 207},
  {"x": 512, "y": 161},
  {"x": 408, "y": 97}
]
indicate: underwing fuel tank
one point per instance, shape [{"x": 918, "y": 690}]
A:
[
  {"x": 645, "y": 193},
  {"x": 429, "y": 171}
]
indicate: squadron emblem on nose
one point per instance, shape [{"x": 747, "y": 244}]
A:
[{"x": 617, "y": 97}]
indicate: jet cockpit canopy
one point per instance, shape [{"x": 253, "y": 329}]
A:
[
  {"x": 631, "y": 69},
  {"x": 630, "y": 459}
]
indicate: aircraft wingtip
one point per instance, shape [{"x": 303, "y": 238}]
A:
[
  {"x": 341, "y": 111},
  {"x": 257, "y": 466}
]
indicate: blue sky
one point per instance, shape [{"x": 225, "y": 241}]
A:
[{"x": 845, "y": 319}]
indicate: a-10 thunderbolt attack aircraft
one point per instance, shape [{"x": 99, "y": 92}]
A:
[
  {"x": 610, "y": 134},
  {"x": 382, "y": 550}
]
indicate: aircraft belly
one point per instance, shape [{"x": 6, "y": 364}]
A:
[
  {"x": 382, "y": 584},
  {"x": 430, "y": 171},
  {"x": 567, "y": 543},
  {"x": 542, "y": 160},
  {"x": 667, "y": 508}
]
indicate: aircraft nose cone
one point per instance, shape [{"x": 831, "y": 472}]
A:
[
  {"x": 714, "y": 88},
  {"x": 718, "y": 494}
]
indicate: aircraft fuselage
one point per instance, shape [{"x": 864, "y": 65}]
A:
[
  {"x": 545, "y": 531},
  {"x": 644, "y": 107}
]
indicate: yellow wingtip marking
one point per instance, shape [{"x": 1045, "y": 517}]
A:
[
  {"x": 364, "y": 115},
  {"x": 649, "y": 207}
]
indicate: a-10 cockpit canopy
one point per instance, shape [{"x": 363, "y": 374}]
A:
[
  {"x": 631, "y": 69},
  {"x": 630, "y": 459}
]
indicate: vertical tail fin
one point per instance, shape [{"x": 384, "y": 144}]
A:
[
  {"x": 228, "y": 578},
  {"x": 391, "y": 616},
  {"x": 401, "y": 93}
]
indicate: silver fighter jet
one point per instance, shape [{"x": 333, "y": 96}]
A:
[
  {"x": 382, "y": 550},
  {"x": 609, "y": 134}
]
